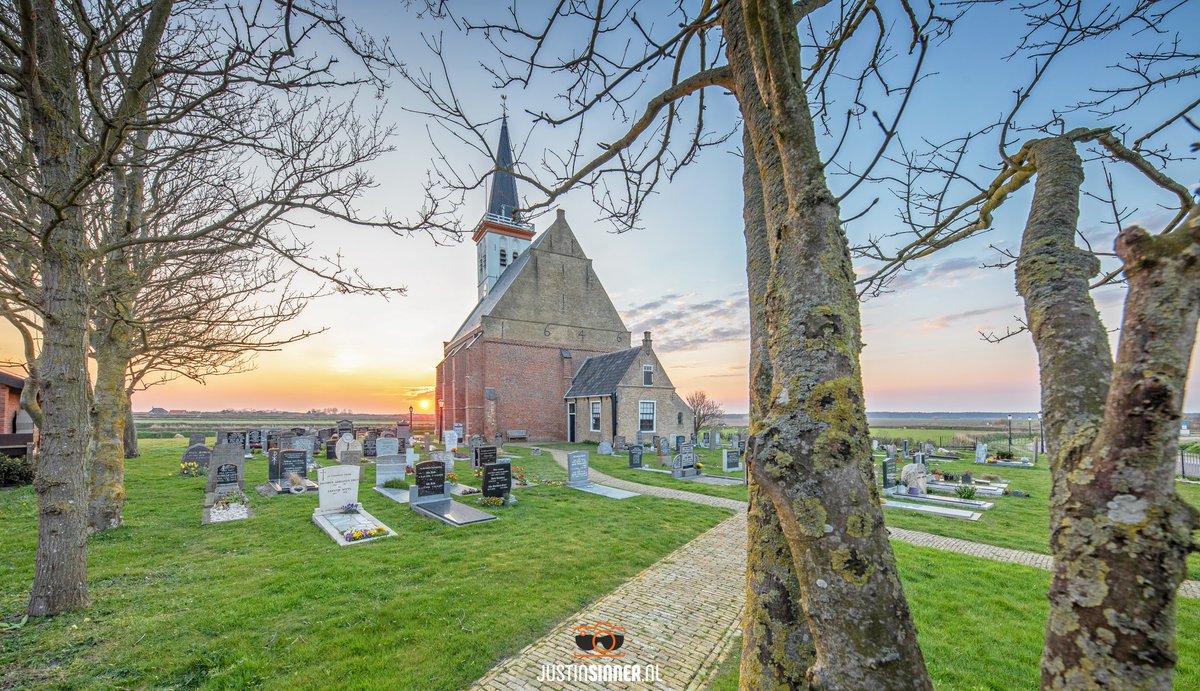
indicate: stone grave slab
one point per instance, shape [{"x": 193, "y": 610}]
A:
[
  {"x": 966, "y": 504},
  {"x": 716, "y": 480},
  {"x": 388, "y": 469},
  {"x": 577, "y": 478},
  {"x": 283, "y": 465},
  {"x": 942, "y": 511},
  {"x": 224, "y": 493},
  {"x": 429, "y": 496},
  {"x": 338, "y": 512}
]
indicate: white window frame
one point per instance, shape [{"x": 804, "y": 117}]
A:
[
  {"x": 647, "y": 369},
  {"x": 595, "y": 410},
  {"x": 653, "y": 416}
]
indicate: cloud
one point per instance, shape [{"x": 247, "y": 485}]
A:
[
  {"x": 947, "y": 273},
  {"x": 681, "y": 322},
  {"x": 941, "y": 322}
]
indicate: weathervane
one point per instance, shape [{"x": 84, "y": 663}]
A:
[{"x": 503, "y": 105}]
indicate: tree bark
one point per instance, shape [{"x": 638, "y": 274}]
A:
[
  {"x": 60, "y": 570},
  {"x": 777, "y": 646},
  {"x": 108, "y": 448},
  {"x": 813, "y": 456},
  {"x": 1119, "y": 533}
]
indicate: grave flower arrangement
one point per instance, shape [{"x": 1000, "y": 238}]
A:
[
  {"x": 352, "y": 507},
  {"x": 478, "y": 473},
  {"x": 492, "y": 501},
  {"x": 191, "y": 469},
  {"x": 520, "y": 476},
  {"x": 699, "y": 467},
  {"x": 356, "y": 535},
  {"x": 231, "y": 499},
  {"x": 452, "y": 477}
]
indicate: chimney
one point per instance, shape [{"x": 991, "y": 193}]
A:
[{"x": 645, "y": 339}]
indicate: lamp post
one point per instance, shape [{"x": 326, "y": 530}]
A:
[
  {"x": 1010, "y": 431},
  {"x": 410, "y": 419},
  {"x": 1030, "y": 421},
  {"x": 1041, "y": 435}
]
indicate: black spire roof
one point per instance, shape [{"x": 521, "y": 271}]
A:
[{"x": 504, "y": 185}]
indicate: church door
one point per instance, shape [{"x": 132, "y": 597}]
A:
[{"x": 571, "y": 423}]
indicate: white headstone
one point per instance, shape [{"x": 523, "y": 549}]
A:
[
  {"x": 387, "y": 446},
  {"x": 343, "y": 443},
  {"x": 450, "y": 440},
  {"x": 339, "y": 486},
  {"x": 577, "y": 468},
  {"x": 981, "y": 453}
]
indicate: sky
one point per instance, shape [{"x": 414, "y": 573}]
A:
[{"x": 682, "y": 274}]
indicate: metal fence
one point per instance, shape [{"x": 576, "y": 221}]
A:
[
  {"x": 1189, "y": 465},
  {"x": 961, "y": 440}
]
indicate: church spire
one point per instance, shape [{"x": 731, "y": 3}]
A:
[{"x": 504, "y": 186}]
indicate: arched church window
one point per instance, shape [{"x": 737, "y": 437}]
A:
[
  {"x": 515, "y": 253},
  {"x": 503, "y": 259}
]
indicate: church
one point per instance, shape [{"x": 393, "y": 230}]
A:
[{"x": 544, "y": 355}]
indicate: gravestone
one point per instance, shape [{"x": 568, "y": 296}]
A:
[
  {"x": 272, "y": 439},
  {"x": 289, "y": 472},
  {"x": 343, "y": 443},
  {"x": 430, "y": 496},
  {"x": 498, "y": 441},
  {"x": 664, "y": 447},
  {"x": 577, "y": 478},
  {"x": 331, "y": 448},
  {"x": 981, "y": 453},
  {"x": 635, "y": 456},
  {"x": 684, "y": 465},
  {"x": 929, "y": 450},
  {"x": 604, "y": 449},
  {"x": 731, "y": 460},
  {"x": 428, "y": 442},
  {"x": 482, "y": 455},
  {"x": 339, "y": 514},
  {"x": 874, "y": 444},
  {"x": 199, "y": 454},
  {"x": 254, "y": 439},
  {"x": 654, "y": 443},
  {"x": 577, "y": 468},
  {"x": 402, "y": 445},
  {"x": 706, "y": 439},
  {"x": 403, "y": 431},
  {"x": 497, "y": 479},
  {"x": 905, "y": 453},
  {"x": 450, "y": 440},
  {"x": 891, "y": 450},
  {"x": 741, "y": 447},
  {"x": 344, "y": 427},
  {"x": 919, "y": 457},
  {"x": 888, "y": 468},
  {"x": 387, "y": 446},
  {"x": 694, "y": 440},
  {"x": 301, "y": 444},
  {"x": 446, "y": 458},
  {"x": 737, "y": 440},
  {"x": 717, "y": 438},
  {"x": 458, "y": 429},
  {"x": 385, "y": 471},
  {"x": 195, "y": 439},
  {"x": 370, "y": 447},
  {"x": 226, "y": 481},
  {"x": 474, "y": 442},
  {"x": 619, "y": 444}
]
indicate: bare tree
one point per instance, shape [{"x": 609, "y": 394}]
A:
[
  {"x": 78, "y": 85},
  {"x": 1120, "y": 534},
  {"x": 706, "y": 410},
  {"x": 818, "y": 545}
]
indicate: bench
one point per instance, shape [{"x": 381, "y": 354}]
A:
[{"x": 515, "y": 434}]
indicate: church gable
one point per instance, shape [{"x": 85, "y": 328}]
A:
[{"x": 555, "y": 296}]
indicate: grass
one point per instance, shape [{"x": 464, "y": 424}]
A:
[
  {"x": 980, "y": 623},
  {"x": 1016, "y": 523},
  {"x": 274, "y": 603}
]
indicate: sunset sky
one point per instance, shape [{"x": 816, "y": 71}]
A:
[{"x": 682, "y": 276}]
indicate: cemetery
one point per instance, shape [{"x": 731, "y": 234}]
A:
[{"x": 309, "y": 382}]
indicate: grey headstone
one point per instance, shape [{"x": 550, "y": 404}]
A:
[
  {"x": 605, "y": 449},
  {"x": 577, "y": 468}
]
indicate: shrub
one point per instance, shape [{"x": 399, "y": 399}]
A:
[
  {"x": 965, "y": 492},
  {"x": 1004, "y": 455},
  {"x": 396, "y": 483},
  {"x": 15, "y": 471}
]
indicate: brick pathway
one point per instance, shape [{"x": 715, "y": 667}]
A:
[
  {"x": 686, "y": 637},
  {"x": 679, "y": 615}
]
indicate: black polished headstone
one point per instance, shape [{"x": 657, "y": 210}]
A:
[
  {"x": 482, "y": 455},
  {"x": 430, "y": 478},
  {"x": 497, "y": 479}
]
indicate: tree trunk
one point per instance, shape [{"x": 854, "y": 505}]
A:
[
  {"x": 108, "y": 449},
  {"x": 813, "y": 458},
  {"x": 777, "y": 646},
  {"x": 60, "y": 569},
  {"x": 1119, "y": 533},
  {"x": 131, "y": 439}
]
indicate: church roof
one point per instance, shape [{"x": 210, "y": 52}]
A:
[
  {"x": 600, "y": 374},
  {"x": 489, "y": 302},
  {"x": 504, "y": 186}
]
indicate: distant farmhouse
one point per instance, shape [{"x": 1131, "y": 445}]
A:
[{"x": 544, "y": 353}]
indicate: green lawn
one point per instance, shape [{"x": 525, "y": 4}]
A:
[
  {"x": 980, "y": 623},
  {"x": 618, "y": 467},
  {"x": 273, "y": 602}
]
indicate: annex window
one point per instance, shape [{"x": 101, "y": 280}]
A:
[
  {"x": 679, "y": 418},
  {"x": 595, "y": 416},
  {"x": 515, "y": 253},
  {"x": 646, "y": 416},
  {"x": 647, "y": 375},
  {"x": 503, "y": 259}
]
